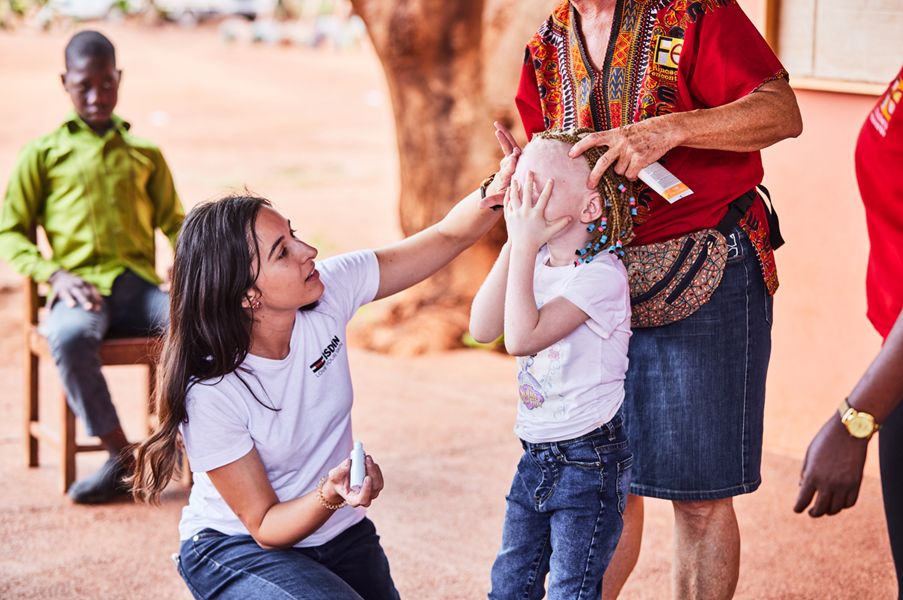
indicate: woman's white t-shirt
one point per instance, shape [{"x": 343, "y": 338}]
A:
[
  {"x": 576, "y": 384},
  {"x": 308, "y": 434}
]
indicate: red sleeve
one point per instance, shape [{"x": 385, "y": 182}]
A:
[
  {"x": 724, "y": 58},
  {"x": 527, "y": 99}
]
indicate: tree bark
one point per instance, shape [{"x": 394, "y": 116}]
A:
[{"x": 452, "y": 68}]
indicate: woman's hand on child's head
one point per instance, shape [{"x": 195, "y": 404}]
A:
[
  {"x": 525, "y": 215},
  {"x": 496, "y": 190},
  {"x": 340, "y": 478}
]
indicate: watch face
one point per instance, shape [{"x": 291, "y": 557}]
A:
[{"x": 861, "y": 426}]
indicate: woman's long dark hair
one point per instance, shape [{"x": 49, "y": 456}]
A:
[{"x": 209, "y": 331}]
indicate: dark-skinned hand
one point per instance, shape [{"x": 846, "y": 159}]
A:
[
  {"x": 75, "y": 291},
  {"x": 832, "y": 470}
]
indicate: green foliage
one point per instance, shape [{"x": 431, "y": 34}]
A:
[
  {"x": 20, "y": 7},
  {"x": 14, "y": 10}
]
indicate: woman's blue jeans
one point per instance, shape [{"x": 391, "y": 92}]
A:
[
  {"x": 352, "y": 566},
  {"x": 564, "y": 516}
]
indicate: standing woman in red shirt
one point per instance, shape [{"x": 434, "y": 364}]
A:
[
  {"x": 835, "y": 459},
  {"x": 693, "y": 85}
]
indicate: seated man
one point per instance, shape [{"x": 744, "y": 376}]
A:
[{"x": 99, "y": 192}]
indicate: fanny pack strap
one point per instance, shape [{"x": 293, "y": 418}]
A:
[
  {"x": 774, "y": 226},
  {"x": 738, "y": 208},
  {"x": 735, "y": 211}
]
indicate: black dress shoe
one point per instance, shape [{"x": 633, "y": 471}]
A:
[{"x": 105, "y": 485}]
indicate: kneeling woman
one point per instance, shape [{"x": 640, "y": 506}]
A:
[{"x": 255, "y": 376}]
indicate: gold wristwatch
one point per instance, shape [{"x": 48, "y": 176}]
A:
[{"x": 859, "y": 424}]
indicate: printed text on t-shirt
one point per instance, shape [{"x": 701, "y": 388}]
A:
[{"x": 327, "y": 356}]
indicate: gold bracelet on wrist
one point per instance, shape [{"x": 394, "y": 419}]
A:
[
  {"x": 485, "y": 185},
  {"x": 323, "y": 501}
]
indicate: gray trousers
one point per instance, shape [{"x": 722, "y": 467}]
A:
[{"x": 135, "y": 307}]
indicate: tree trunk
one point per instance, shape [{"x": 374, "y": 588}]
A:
[{"x": 452, "y": 68}]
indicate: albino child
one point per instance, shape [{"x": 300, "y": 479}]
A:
[{"x": 566, "y": 317}]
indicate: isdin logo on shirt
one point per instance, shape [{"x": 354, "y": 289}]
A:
[{"x": 326, "y": 356}]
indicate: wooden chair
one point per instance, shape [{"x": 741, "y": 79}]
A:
[{"x": 113, "y": 351}]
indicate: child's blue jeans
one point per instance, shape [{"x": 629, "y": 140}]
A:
[{"x": 564, "y": 516}]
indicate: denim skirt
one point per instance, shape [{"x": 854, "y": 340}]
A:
[{"x": 695, "y": 390}]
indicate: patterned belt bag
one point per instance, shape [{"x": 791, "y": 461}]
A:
[{"x": 671, "y": 280}]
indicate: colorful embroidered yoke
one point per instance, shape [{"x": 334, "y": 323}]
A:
[{"x": 663, "y": 56}]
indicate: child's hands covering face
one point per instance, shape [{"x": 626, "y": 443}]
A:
[
  {"x": 495, "y": 192},
  {"x": 525, "y": 215}
]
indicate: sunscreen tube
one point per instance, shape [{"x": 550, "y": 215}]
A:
[
  {"x": 358, "y": 466},
  {"x": 664, "y": 182}
]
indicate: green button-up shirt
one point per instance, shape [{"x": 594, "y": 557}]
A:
[{"x": 97, "y": 197}]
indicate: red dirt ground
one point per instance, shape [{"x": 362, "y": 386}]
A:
[{"x": 313, "y": 131}]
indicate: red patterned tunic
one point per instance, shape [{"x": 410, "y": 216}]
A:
[{"x": 664, "y": 56}]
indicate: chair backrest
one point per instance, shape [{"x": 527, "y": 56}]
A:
[{"x": 34, "y": 299}]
